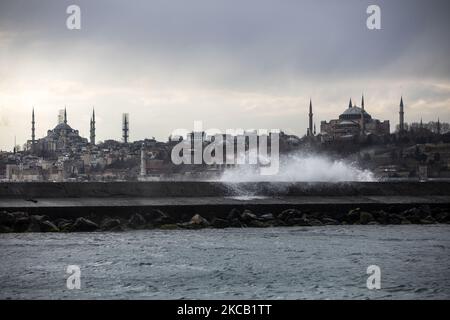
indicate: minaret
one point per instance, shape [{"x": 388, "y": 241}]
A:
[
  {"x": 33, "y": 136},
  {"x": 314, "y": 129},
  {"x": 310, "y": 127},
  {"x": 363, "y": 123},
  {"x": 350, "y": 103},
  {"x": 438, "y": 127},
  {"x": 125, "y": 127},
  {"x": 421, "y": 124},
  {"x": 93, "y": 127},
  {"x": 65, "y": 115},
  {"x": 402, "y": 116},
  {"x": 143, "y": 164}
]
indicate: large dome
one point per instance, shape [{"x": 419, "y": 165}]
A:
[
  {"x": 62, "y": 126},
  {"x": 354, "y": 113}
]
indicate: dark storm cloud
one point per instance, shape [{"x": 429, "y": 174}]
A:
[
  {"x": 261, "y": 38},
  {"x": 247, "y": 63}
]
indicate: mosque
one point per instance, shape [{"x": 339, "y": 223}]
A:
[
  {"x": 61, "y": 139},
  {"x": 354, "y": 122}
]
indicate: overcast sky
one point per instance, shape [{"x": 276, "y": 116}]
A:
[{"x": 231, "y": 64}]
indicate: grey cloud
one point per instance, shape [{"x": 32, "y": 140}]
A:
[{"x": 263, "y": 38}]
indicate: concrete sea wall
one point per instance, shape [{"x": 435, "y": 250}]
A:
[{"x": 217, "y": 189}]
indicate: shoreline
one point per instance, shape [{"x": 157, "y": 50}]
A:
[{"x": 22, "y": 222}]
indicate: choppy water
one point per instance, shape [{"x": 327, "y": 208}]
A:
[{"x": 280, "y": 263}]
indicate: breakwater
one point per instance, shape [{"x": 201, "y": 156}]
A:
[
  {"x": 122, "y": 205},
  {"x": 30, "y": 190}
]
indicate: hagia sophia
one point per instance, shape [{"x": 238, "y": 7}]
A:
[{"x": 354, "y": 121}]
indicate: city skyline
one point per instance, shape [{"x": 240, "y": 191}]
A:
[
  {"x": 246, "y": 67},
  {"x": 310, "y": 131}
]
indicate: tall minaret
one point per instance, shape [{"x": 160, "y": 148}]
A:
[
  {"x": 143, "y": 165},
  {"x": 402, "y": 116},
  {"x": 125, "y": 127},
  {"x": 33, "y": 136},
  {"x": 350, "y": 103},
  {"x": 310, "y": 127},
  {"x": 438, "y": 127},
  {"x": 65, "y": 115},
  {"x": 93, "y": 127},
  {"x": 363, "y": 122}
]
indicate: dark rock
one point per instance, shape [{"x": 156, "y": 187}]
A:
[
  {"x": 417, "y": 214},
  {"x": 34, "y": 225},
  {"x": 48, "y": 226},
  {"x": 19, "y": 215},
  {"x": 315, "y": 222},
  {"x": 428, "y": 220},
  {"x": 413, "y": 214},
  {"x": 84, "y": 225},
  {"x": 381, "y": 217},
  {"x": 365, "y": 217},
  {"x": 278, "y": 223},
  {"x": 289, "y": 214},
  {"x": 21, "y": 224},
  {"x": 234, "y": 214},
  {"x": 41, "y": 223},
  {"x": 248, "y": 216},
  {"x": 235, "y": 223},
  {"x": 199, "y": 220},
  {"x": 353, "y": 215},
  {"x": 329, "y": 221},
  {"x": 109, "y": 224},
  {"x": 219, "y": 223},
  {"x": 158, "y": 217},
  {"x": 298, "y": 221},
  {"x": 443, "y": 217},
  {"x": 168, "y": 227},
  {"x": 7, "y": 219},
  {"x": 118, "y": 228},
  {"x": 267, "y": 217},
  {"x": 40, "y": 217},
  {"x": 317, "y": 215},
  {"x": 425, "y": 210},
  {"x": 137, "y": 221},
  {"x": 62, "y": 223},
  {"x": 394, "y": 218},
  {"x": 5, "y": 229},
  {"x": 257, "y": 224},
  {"x": 59, "y": 221},
  {"x": 65, "y": 226}
]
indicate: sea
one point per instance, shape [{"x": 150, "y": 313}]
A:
[{"x": 328, "y": 262}]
